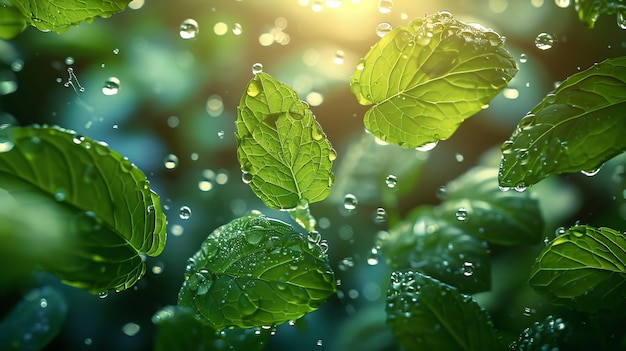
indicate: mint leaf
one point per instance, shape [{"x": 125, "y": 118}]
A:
[
  {"x": 12, "y": 22},
  {"x": 179, "y": 330},
  {"x": 590, "y": 10},
  {"x": 425, "y": 78},
  {"x": 256, "y": 271},
  {"x": 95, "y": 210},
  {"x": 59, "y": 15},
  {"x": 426, "y": 314},
  {"x": 282, "y": 150},
  {"x": 549, "y": 334},
  {"x": 577, "y": 128},
  {"x": 485, "y": 211},
  {"x": 439, "y": 248},
  {"x": 584, "y": 268},
  {"x": 34, "y": 321}
]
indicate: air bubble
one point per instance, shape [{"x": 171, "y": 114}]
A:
[
  {"x": 189, "y": 29},
  {"x": 257, "y": 68},
  {"x": 185, "y": 212},
  {"x": 383, "y": 28},
  {"x": 545, "y": 41},
  {"x": 111, "y": 86}
]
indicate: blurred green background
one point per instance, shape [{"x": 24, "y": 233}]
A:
[{"x": 179, "y": 96}]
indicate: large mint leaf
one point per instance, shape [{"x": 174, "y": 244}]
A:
[
  {"x": 577, "y": 128},
  {"x": 425, "y": 78},
  {"x": 256, "y": 271},
  {"x": 426, "y": 314},
  {"x": 590, "y": 10},
  {"x": 481, "y": 208},
  {"x": 584, "y": 268},
  {"x": 59, "y": 15},
  {"x": 283, "y": 152},
  {"x": 90, "y": 208}
]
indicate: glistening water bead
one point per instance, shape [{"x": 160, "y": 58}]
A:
[
  {"x": 189, "y": 29},
  {"x": 545, "y": 41},
  {"x": 111, "y": 86},
  {"x": 184, "y": 213},
  {"x": 257, "y": 68}
]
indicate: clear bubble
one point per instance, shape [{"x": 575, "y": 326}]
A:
[
  {"x": 391, "y": 181},
  {"x": 184, "y": 212},
  {"x": 562, "y": 3},
  {"x": 350, "y": 202},
  {"x": 257, "y": 68},
  {"x": 545, "y": 41},
  {"x": 462, "y": 214},
  {"x": 170, "y": 161},
  {"x": 383, "y": 28},
  {"x": 189, "y": 29},
  {"x": 111, "y": 86},
  {"x": 385, "y": 6}
]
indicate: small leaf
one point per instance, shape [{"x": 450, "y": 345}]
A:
[
  {"x": 179, "y": 330},
  {"x": 577, "y": 128},
  {"x": 485, "y": 211},
  {"x": 256, "y": 271},
  {"x": 426, "y": 314},
  {"x": 96, "y": 210},
  {"x": 590, "y": 10},
  {"x": 34, "y": 321},
  {"x": 283, "y": 152},
  {"x": 59, "y": 15},
  {"x": 425, "y": 78},
  {"x": 441, "y": 249},
  {"x": 584, "y": 269}
]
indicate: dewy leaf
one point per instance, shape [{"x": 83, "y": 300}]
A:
[
  {"x": 590, "y": 10},
  {"x": 441, "y": 249},
  {"x": 584, "y": 268},
  {"x": 34, "y": 321},
  {"x": 549, "y": 334},
  {"x": 96, "y": 209},
  {"x": 59, "y": 15},
  {"x": 256, "y": 271},
  {"x": 283, "y": 152},
  {"x": 425, "y": 78},
  {"x": 577, "y": 128},
  {"x": 482, "y": 209},
  {"x": 426, "y": 314}
]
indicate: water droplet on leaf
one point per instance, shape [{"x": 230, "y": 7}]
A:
[{"x": 257, "y": 68}]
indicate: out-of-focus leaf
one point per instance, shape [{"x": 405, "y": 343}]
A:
[
  {"x": 426, "y": 314},
  {"x": 95, "y": 209},
  {"x": 590, "y": 10},
  {"x": 366, "y": 331},
  {"x": 256, "y": 271},
  {"x": 441, "y": 249},
  {"x": 483, "y": 210},
  {"x": 283, "y": 152},
  {"x": 577, "y": 128},
  {"x": 584, "y": 269},
  {"x": 34, "y": 321},
  {"x": 549, "y": 334},
  {"x": 179, "y": 330},
  {"x": 12, "y": 22},
  {"x": 59, "y": 15},
  {"x": 425, "y": 78}
]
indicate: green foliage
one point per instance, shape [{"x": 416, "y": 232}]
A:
[
  {"x": 576, "y": 128},
  {"x": 179, "y": 330},
  {"x": 590, "y": 10},
  {"x": 34, "y": 321},
  {"x": 584, "y": 268},
  {"x": 256, "y": 271},
  {"x": 425, "y": 78},
  {"x": 283, "y": 152},
  {"x": 56, "y": 16},
  {"x": 549, "y": 334},
  {"x": 426, "y": 314},
  {"x": 96, "y": 209}
]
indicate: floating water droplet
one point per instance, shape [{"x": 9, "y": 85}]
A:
[
  {"x": 468, "y": 269},
  {"x": 462, "y": 214},
  {"x": 528, "y": 311},
  {"x": 319, "y": 342},
  {"x": 391, "y": 181},
  {"x": 103, "y": 294},
  {"x": 69, "y": 60},
  {"x": 545, "y": 41},
  {"x": 442, "y": 192},
  {"x": 170, "y": 161},
  {"x": 221, "y": 134},
  {"x": 373, "y": 256},
  {"x": 385, "y": 6},
  {"x": 189, "y": 29},
  {"x": 562, "y": 3},
  {"x": 427, "y": 146},
  {"x": 339, "y": 57},
  {"x": 383, "y": 28},
  {"x": 459, "y": 157},
  {"x": 346, "y": 263},
  {"x": 60, "y": 195},
  {"x": 173, "y": 121},
  {"x": 185, "y": 212},
  {"x": 116, "y": 51},
  {"x": 621, "y": 18},
  {"x": 157, "y": 268},
  {"x": 237, "y": 30},
  {"x": 43, "y": 302},
  {"x": 257, "y": 68},
  {"x": 246, "y": 177},
  {"x": 349, "y": 202},
  {"x": 380, "y": 215},
  {"x": 111, "y": 86},
  {"x": 131, "y": 329},
  {"x": 17, "y": 65}
]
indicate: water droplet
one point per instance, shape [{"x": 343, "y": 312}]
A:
[
  {"x": 346, "y": 263},
  {"x": 521, "y": 187},
  {"x": 319, "y": 342},
  {"x": 237, "y": 30},
  {"x": 621, "y": 18},
  {"x": 131, "y": 329},
  {"x": 17, "y": 65},
  {"x": 349, "y": 202},
  {"x": 254, "y": 237},
  {"x": 562, "y": 3},
  {"x": 103, "y": 294},
  {"x": 385, "y": 6},
  {"x": 528, "y": 311},
  {"x": 116, "y": 51},
  {"x": 468, "y": 269},
  {"x": 316, "y": 132},
  {"x": 462, "y": 214},
  {"x": 69, "y": 60},
  {"x": 60, "y": 195},
  {"x": 373, "y": 256},
  {"x": 591, "y": 173},
  {"x": 6, "y": 144},
  {"x": 111, "y": 86},
  {"x": 246, "y": 177},
  {"x": 339, "y": 57},
  {"x": 442, "y": 192},
  {"x": 221, "y": 134},
  {"x": 254, "y": 88},
  {"x": 383, "y": 28},
  {"x": 459, "y": 157},
  {"x": 427, "y": 146},
  {"x": 545, "y": 41},
  {"x": 43, "y": 303},
  {"x": 257, "y": 68},
  {"x": 332, "y": 154},
  {"x": 391, "y": 181},
  {"x": 170, "y": 161},
  {"x": 189, "y": 29},
  {"x": 185, "y": 212},
  {"x": 157, "y": 268},
  {"x": 380, "y": 215},
  {"x": 559, "y": 231}
]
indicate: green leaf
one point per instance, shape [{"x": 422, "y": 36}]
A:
[
  {"x": 549, "y": 334},
  {"x": 179, "y": 330},
  {"x": 584, "y": 269},
  {"x": 426, "y": 314},
  {"x": 577, "y": 128},
  {"x": 12, "y": 22},
  {"x": 441, "y": 249},
  {"x": 283, "y": 152},
  {"x": 256, "y": 271},
  {"x": 34, "y": 321},
  {"x": 485, "y": 211},
  {"x": 425, "y": 78},
  {"x": 59, "y": 15},
  {"x": 590, "y": 10},
  {"x": 96, "y": 210}
]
